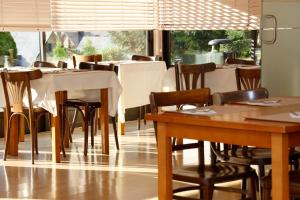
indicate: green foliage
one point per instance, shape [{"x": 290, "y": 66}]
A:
[
  {"x": 7, "y": 42},
  {"x": 131, "y": 42},
  {"x": 59, "y": 51},
  {"x": 191, "y": 41},
  {"x": 88, "y": 48},
  {"x": 240, "y": 45},
  {"x": 113, "y": 53}
]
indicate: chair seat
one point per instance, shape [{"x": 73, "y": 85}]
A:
[
  {"x": 222, "y": 172},
  {"x": 81, "y": 102},
  {"x": 255, "y": 156}
]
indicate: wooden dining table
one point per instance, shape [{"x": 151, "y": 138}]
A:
[
  {"x": 53, "y": 88},
  {"x": 241, "y": 124}
]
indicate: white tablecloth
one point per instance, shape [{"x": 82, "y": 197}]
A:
[
  {"x": 77, "y": 84},
  {"x": 138, "y": 79},
  {"x": 220, "y": 80}
]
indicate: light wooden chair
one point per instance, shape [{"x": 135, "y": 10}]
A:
[
  {"x": 86, "y": 58},
  {"x": 15, "y": 86}
]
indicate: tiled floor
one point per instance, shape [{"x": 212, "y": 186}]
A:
[{"x": 128, "y": 174}]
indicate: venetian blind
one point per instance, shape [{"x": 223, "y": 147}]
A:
[
  {"x": 25, "y": 15},
  {"x": 208, "y": 14},
  {"x": 89, "y": 15}
]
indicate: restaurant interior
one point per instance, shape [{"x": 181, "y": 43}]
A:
[{"x": 150, "y": 99}]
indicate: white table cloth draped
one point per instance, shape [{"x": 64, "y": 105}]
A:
[
  {"x": 221, "y": 80},
  {"x": 78, "y": 84},
  {"x": 138, "y": 80}
]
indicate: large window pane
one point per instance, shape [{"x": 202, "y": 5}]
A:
[
  {"x": 19, "y": 48},
  {"x": 193, "y": 46},
  {"x": 113, "y": 45}
]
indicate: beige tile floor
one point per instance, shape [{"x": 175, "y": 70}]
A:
[{"x": 128, "y": 174}]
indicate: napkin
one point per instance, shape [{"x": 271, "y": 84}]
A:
[
  {"x": 198, "y": 111},
  {"x": 295, "y": 115},
  {"x": 264, "y": 103}
]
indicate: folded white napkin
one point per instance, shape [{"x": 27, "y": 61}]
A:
[
  {"x": 264, "y": 103},
  {"x": 198, "y": 111},
  {"x": 295, "y": 115}
]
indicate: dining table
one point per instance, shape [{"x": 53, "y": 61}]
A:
[
  {"x": 138, "y": 80},
  {"x": 273, "y": 123},
  {"x": 53, "y": 88}
]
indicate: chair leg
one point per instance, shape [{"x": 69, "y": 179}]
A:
[
  {"x": 92, "y": 118},
  {"x": 253, "y": 187},
  {"x": 86, "y": 129},
  {"x": 32, "y": 132},
  {"x": 74, "y": 121},
  {"x": 244, "y": 188},
  {"x": 145, "y": 111},
  {"x": 139, "y": 118},
  {"x": 113, "y": 119},
  {"x": 208, "y": 191}
]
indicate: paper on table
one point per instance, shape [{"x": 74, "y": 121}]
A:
[
  {"x": 264, "y": 103},
  {"x": 295, "y": 115},
  {"x": 198, "y": 111}
]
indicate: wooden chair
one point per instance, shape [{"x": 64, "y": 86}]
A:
[
  {"x": 203, "y": 177},
  {"x": 15, "y": 86},
  {"x": 60, "y": 64},
  {"x": 247, "y": 79},
  {"x": 86, "y": 58},
  {"x": 294, "y": 176},
  {"x": 189, "y": 76},
  {"x": 141, "y": 58},
  {"x": 247, "y": 155},
  {"x": 89, "y": 107},
  {"x": 239, "y": 61}
]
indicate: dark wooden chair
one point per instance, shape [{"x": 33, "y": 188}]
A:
[
  {"x": 239, "y": 61},
  {"x": 60, "y": 64},
  {"x": 192, "y": 76},
  {"x": 247, "y": 155},
  {"x": 15, "y": 86},
  {"x": 247, "y": 79},
  {"x": 86, "y": 58},
  {"x": 88, "y": 108},
  {"x": 294, "y": 177},
  {"x": 203, "y": 177},
  {"x": 141, "y": 58}
]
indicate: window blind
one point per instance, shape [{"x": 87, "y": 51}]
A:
[
  {"x": 90, "y": 15},
  {"x": 208, "y": 14},
  {"x": 25, "y": 15}
]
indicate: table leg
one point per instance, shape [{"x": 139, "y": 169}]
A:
[
  {"x": 280, "y": 166},
  {"x": 56, "y": 124},
  {"x": 164, "y": 163},
  {"x": 104, "y": 121}
]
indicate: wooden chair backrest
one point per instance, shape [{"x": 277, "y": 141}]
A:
[
  {"x": 194, "y": 97},
  {"x": 15, "y": 84},
  {"x": 86, "y": 58},
  {"x": 239, "y": 61},
  {"x": 43, "y": 64},
  {"x": 141, "y": 58},
  {"x": 247, "y": 79},
  {"x": 187, "y": 76},
  {"x": 240, "y": 95},
  {"x": 92, "y": 66}
]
